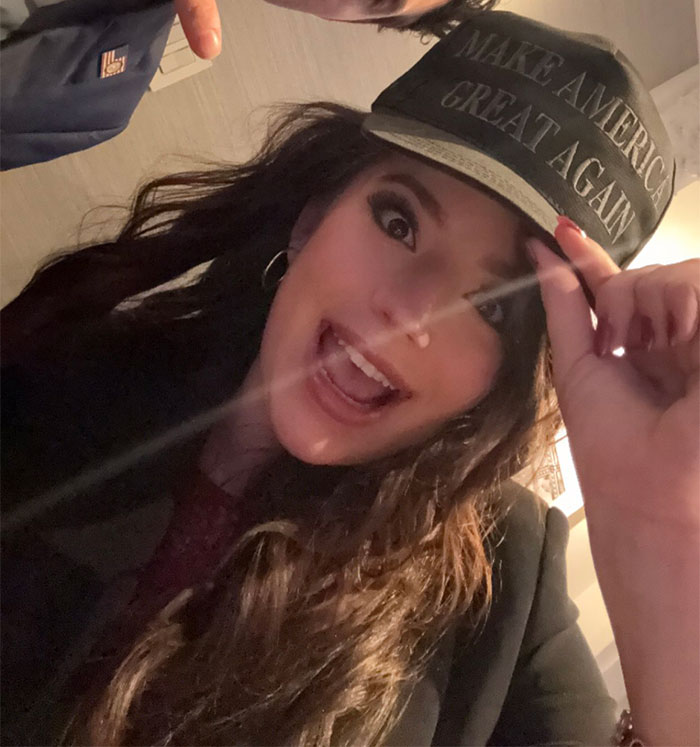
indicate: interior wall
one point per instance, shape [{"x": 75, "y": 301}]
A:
[
  {"x": 658, "y": 36},
  {"x": 270, "y": 55}
]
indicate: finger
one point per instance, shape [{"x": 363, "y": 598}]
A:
[
  {"x": 634, "y": 335},
  {"x": 615, "y": 304},
  {"x": 568, "y": 313},
  {"x": 667, "y": 382},
  {"x": 651, "y": 307},
  {"x": 590, "y": 259},
  {"x": 682, "y": 305},
  {"x": 202, "y": 26}
]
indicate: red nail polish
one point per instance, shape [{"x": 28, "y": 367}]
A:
[
  {"x": 603, "y": 337},
  {"x": 564, "y": 221},
  {"x": 647, "y": 333},
  {"x": 671, "y": 330}
]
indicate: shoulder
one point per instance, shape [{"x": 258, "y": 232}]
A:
[
  {"x": 525, "y": 547},
  {"x": 481, "y": 664},
  {"x": 527, "y": 550},
  {"x": 528, "y": 531}
]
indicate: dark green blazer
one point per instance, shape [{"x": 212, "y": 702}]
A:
[{"x": 526, "y": 677}]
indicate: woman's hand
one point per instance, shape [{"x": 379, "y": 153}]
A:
[
  {"x": 633, "y": 421},
  {"x": 634, "y": 427}
]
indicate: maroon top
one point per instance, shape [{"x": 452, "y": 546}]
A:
[{"x": 205, "y": 522}]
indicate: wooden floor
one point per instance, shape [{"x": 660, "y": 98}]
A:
[{"x": 273, "y": 55}]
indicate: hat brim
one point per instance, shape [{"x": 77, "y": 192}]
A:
[{"x": 448, "y": 150}]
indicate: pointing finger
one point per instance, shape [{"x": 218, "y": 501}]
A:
[
  {"x": 568, "y": 313},
  {"x": 592, "y": 261},
  {"x": 202, "y": 26}
]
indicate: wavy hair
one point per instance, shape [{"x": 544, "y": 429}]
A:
[{"x": 328, "y": 608}]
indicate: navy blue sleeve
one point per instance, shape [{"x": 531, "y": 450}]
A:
[{"x": 55, "y": 96}]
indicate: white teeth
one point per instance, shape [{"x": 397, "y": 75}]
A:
[{"x": 363, "y": 364}]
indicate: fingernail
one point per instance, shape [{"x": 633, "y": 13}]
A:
[
  {"x": 564, "y": 221},
  {"x": 647, "y": 333},
  {"x": 211, "y": 43},
  {"x": 671, "y": 330},
  {"x": 603, "y": 337}
]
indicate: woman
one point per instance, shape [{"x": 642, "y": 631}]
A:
[{"x": 345, "y": 437}]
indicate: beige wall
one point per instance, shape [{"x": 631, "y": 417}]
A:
[
  {"x": 275, "y": 55},
  {"x": 270, "y": 55},
  {"x": 658, "y": 36}
]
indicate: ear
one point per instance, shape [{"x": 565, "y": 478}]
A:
[{"x": 306, "y": 224}]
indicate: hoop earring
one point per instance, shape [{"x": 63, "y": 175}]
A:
[{"x": 265, "y": 281}]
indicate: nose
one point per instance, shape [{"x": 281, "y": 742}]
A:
[{"x": 408, "y": 304}]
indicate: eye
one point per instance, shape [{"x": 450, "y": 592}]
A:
[
  {"x": 394, "y": 215},
  {"x": 385, "y": 7},
  {"x": 492, "y": 312},
  {"x": 488, "y": 305},
  {"x": 396, "y": 225}
]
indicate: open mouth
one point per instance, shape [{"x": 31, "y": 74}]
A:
[{"x": 350, "y": 382}]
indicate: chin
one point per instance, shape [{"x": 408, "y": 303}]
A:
[
  {"x": 313, "y": 446},
  {"x": 312, "y": 452},
  {"x": 312, "y": 443},
  {"x": 305, "y": 440}
]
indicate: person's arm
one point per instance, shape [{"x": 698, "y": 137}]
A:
[
  {"x": 634, "y": 428},
  {"x": 557, "y": 694},
  {"x": 659, "y": 642}
]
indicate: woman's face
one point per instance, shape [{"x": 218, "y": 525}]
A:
[{"x": 375, "y": 336}]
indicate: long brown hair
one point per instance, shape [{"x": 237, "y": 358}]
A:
[{"x": 326, "y": 611}]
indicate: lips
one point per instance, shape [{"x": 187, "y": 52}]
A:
[{"x": 351, "y": 382}]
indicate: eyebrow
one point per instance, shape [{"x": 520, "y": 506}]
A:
[
  {"x": 423, "y": 195},
  {"x": 504, "y": 272},
  {"x": 501, "y": 269}
]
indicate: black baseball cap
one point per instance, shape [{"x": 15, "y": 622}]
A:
[{"x": 557, "y": 123}]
